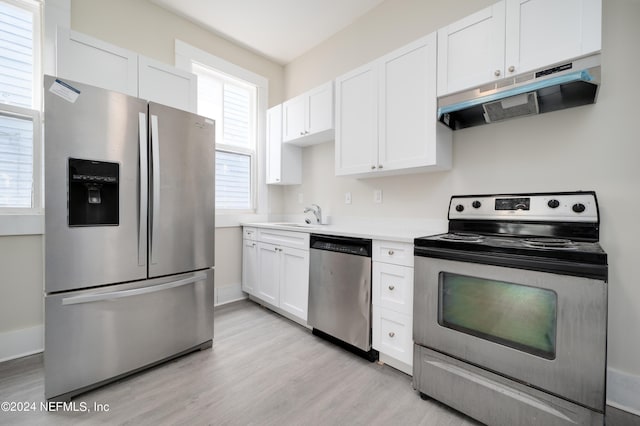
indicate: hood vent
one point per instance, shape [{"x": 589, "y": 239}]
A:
[{"x": 561, "y": 86}]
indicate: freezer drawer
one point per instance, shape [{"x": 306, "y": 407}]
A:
[{"x": 96, "y": 335}]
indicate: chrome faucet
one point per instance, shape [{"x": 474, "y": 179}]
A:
[{"x": 317, "y": 212}]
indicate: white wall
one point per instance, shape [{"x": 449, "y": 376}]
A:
[
  {"x": 590, "y": 148},
  {"x": 145, "y": 28}
]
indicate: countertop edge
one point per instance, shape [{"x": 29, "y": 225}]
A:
[{"x": 385, "y": 235}]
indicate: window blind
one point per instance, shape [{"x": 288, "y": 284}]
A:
[
  {"x": 233, "y": 181},
  {"x": 16, "y": 89},
  {"x": 16, "y": 56}
]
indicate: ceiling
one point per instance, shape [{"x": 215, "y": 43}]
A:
[{"x": 281, "y": 30}]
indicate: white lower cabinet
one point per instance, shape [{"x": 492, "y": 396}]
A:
[
  {"x": 275, "y": 269},
  {"x": 393, "y": 336},
  {"x": 294, "y": 281},
  {"x": 268, "y": 283},
  {"x": 392, "y": 291}
]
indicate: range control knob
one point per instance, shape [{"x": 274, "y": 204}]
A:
[
  {"x": 578, "y": 208},
  {"x": 476, "y": 204},
  {"x": 459, "y": 208},
  {"x": 553, "y": 203}
]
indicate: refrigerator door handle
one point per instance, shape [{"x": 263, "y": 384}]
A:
[
  {"x": 155, "y": 211},
  {"x": 88, "y": 298},
  {"x": 144, "y": 194}
]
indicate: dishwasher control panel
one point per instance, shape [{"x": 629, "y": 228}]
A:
[{"x": 347, "y": 245}]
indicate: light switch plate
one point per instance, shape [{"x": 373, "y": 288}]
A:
[
  {"x": 347, "y": 198},
  {"x": 300, "y": 198},
  {"x": 377, "y": 196}
]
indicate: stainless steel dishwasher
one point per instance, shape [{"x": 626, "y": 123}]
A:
[{"x": 340, "y": 292}]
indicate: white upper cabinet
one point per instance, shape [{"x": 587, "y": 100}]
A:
[
  {"x": 88, "y": 60},
  {"x": 284, "y": 161},
  {"x": 544, "y": 32},
  {"x": 357, "y": 121},
  {"x": 471, "y": 51},
  {"x": 308, "y": 118},
  {"x": 408, "y": 131},
  {"x": 386, "y": 115},
  {"x": 515, "y": 36},
  {"x": 166, "y": 85}
]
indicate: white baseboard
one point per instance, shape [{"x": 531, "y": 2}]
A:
[
  {"x": 623, "y": 391},
  {"x": 228, "y": 294},
  {"x": 23, "y": 342}
]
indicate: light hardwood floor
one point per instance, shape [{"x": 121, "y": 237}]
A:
[{"x": 262, "y": 370}]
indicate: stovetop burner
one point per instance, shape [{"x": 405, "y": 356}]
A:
[
  {"x": 462, "y": 236},
  {"x": 549, "y": 243}
]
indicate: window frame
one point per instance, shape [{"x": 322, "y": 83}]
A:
[
  {"x": 251, "y": 152},
  {"x": 8, "y": 215},
  {"x": 185, "y": 55}
]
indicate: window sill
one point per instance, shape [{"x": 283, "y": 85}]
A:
[
  {"x": 234, "y": 220},
  {"x": 21, "y": 224}
]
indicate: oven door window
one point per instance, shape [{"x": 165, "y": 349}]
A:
[{"x": 513, "y": 315}]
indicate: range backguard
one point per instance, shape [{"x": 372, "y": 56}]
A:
[{"x": 93, "y": 193}]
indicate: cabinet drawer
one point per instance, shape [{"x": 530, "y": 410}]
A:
[
  {"x": 284, "y": 238},
  {"x": 393, "y": 287},
  {"x": 392, "y": 334},
  {"x": 249, "y": 233},
  {"x": 393, "y": 252}
]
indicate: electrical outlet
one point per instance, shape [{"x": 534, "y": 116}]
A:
[
  {"x": 347, "y": 198},
  {"x": 300, "y": 198},
  {"x": 377, "y": 196}
]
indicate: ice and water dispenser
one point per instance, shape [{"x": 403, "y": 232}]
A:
[{"x": 93, "y": 193}]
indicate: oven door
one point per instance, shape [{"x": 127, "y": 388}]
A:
[{"x": 541, "y": 329}]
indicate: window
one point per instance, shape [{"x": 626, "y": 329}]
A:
[
  {"x": 231, "y": 102},
  {"x": 20, "y": 104}
]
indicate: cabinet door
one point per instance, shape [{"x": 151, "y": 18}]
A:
[
  {"x": 293, "y": 118},
  {"x": 544, "y": 32},
  {"x": 167, "y": 85},
  {"x": 267, "y": 285},
  {"x": 320, "y": 108},
  {"x": 356, "y": 148},
  {"x": 471, "y": 51},
  {"x": 294, "y": 281},
  {"x": 407, "y": 111},
  {"x": 274, "y": 144},
  {"x": 284, "y": 161},
  {"x": 88, "y": 60},
  {"x": 249, "y": 266}
]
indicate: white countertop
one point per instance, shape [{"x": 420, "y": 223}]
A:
[{"x": 400, "y": 230}]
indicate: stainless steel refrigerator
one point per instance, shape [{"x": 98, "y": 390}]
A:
[{"x": 129, "y": 235}]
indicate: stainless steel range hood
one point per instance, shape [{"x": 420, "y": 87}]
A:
[{"x": 560, "y": 86}]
